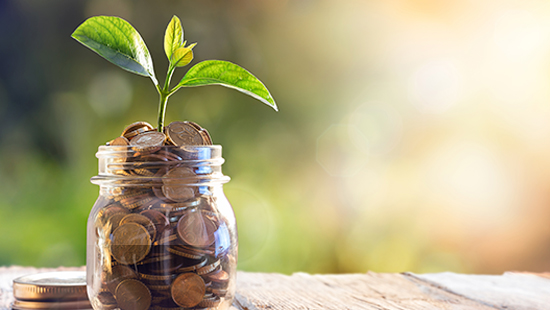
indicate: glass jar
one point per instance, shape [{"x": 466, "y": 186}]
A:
[{"x": 162, "y": 234}]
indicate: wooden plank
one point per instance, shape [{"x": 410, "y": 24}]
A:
[
  {"x": 258, "y": 291},
  {"x": 509, "y": 291},
  {"x": 370, "y": 291}
]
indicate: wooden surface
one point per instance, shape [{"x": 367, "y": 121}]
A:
[{"x": 376, "y": 291}]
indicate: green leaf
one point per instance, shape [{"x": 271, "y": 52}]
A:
[
  {"x": 183, "y": 55},
  {"x": 117, "y": 41},
  {"x": 224, "y": 73},
  {"x": 173, "y": 37}
]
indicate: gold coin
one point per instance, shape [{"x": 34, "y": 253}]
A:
[
  {"x": 135, "y": 202},
  {"x": 184, "y": 133},
  {"x": 108, "y": 218},
  {"x": 188, "y": 290},
  {"x": 143, "y": 172},
  {"x": 155, "y": 259},
  {"x": 131, "y": 294},
  {"x": 119, "y": 141},
  {"x": 130, "y": 243},
  {"x": 152, "y": 277},
  {"x": 136, "y": 128},
  {"x": 184, "y": 254},
  {"x": 166, "y": 239},
  {"x": 143, "y": 221},
  {"x": 120, "y": 194},
  {"x": 194, "y": 250}
]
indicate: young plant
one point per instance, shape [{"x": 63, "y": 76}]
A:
[{"x": 117, "y": 41}]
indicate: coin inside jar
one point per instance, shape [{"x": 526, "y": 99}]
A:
[
  {"x": 108, "y": 219},
  {"x": 130, "y": 243},
  {"x": 160, "y": 221},
  {"x": 197, "y": 229},
  {"x": 173, "y": 188},
  {"x": 188, "y": 290},
  {"x": 143, "y": 221},
  {"x": 116, "y": 274},
  {"x": 131, "y": 294}
]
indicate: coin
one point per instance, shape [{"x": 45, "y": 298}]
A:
[
  {"x": 203, "y": 132},
  {"x": 188, "y": 290},
  {"x": 136, "y": 128},
  {"x": 184, "y": 253},
  {"x": 194, "y": 250},
  {"x": 184, "y": 133},
  {"x": 166, "y": 239},
  {"x": 219, "y": 291},
  {"x": 157, "y": 190},
  {"x": 107, "y": 300},
  {"x": 117, "y": 274},
  {"x": 165, "y": 266},
  {"x": 137, "y": 202},
  {"x": 174, "y": 188},
  {"x": 131, "y": 294},
  {"x": 175, "y": 210},
  {"x": 208, "y": 268},
  {"x": 130, "y": 243},
  {"x": 143, "y": 221},
  {"x": 196, "y": 229},
  {"x": 108, "y": 219},
  {"x": 60, "y": 285},
  {"x": 220, "y": 276},
  {"x": 160, "y": 221},
  {"x": 148, "y": 141},
  {"x": 208, "y": 302},
  {"x": 193, "y": 267},
  {"x": 119, "y": 141},
  {"x": 170, "y": 156}
]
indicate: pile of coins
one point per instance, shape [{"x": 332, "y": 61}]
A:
[
  {"x": 160, "y": 243},
  {"x": 51, "y": 290}
]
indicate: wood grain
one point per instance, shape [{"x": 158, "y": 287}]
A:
[
  {"x": 372, "y": 291},
  {"x": 509, "y": 291}
]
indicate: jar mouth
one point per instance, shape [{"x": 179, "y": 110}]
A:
[{"x": 190, "y": 165}]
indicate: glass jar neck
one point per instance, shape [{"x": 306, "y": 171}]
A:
[{"x": 186, "y": 165}]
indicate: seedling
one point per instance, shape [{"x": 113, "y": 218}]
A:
[{"x": 116, "y": 40}]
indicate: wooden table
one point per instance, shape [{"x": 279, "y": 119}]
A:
[{"x": 376, "y": 291}]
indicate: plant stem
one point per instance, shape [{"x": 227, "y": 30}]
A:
[
  {"x": 162, "y": 110},
  {"x": 164, "y": 94}
]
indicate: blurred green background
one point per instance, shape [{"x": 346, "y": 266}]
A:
[{"x": 412, "y": 135}]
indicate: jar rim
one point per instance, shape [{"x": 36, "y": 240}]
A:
[
  {"x": 205, "y": 159},
  {"x": 106, "y": 150}
]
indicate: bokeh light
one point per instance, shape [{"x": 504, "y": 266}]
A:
[{"x": 411, "y": 136}]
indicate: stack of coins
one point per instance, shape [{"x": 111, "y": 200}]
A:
[
  {"x": 161, "y": 244},
  {"x": 51, "y": 290}
]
